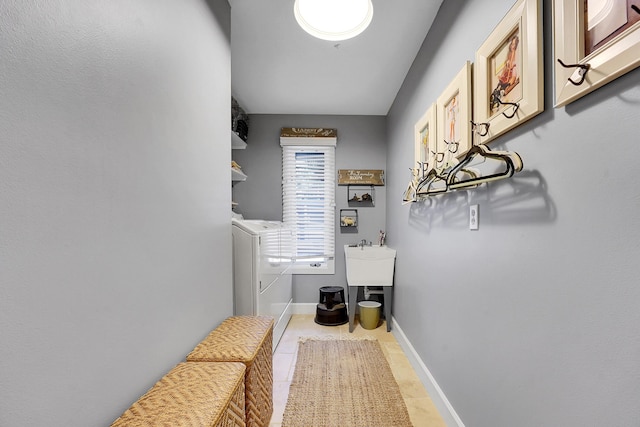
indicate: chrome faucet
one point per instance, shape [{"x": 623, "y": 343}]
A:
[{"x": 362, "y": 244}]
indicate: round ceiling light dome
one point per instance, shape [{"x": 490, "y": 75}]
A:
[{"x": 333, "y": 19}]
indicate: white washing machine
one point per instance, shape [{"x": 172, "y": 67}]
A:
[{"x": 261, "y": 271}]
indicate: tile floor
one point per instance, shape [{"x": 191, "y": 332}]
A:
[{"x": 422, "y": 411}]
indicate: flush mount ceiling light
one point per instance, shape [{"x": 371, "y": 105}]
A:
[{"x": 333, "y": 19}]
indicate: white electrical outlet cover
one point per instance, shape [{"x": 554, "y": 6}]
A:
[{"x": 474, "y": 220}]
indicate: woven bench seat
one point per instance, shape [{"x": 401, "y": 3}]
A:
[
  {"x": 192, "y": 395},
  {"x": 246, "y": 339}
]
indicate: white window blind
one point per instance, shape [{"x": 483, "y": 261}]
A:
[{"x": 308, "y": 199}]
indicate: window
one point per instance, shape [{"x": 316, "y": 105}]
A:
[{"x": 308, "y": 204}]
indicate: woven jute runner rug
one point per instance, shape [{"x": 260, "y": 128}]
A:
[{"x": 343, "y": 383}]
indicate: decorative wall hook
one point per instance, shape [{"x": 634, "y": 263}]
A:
[
  {"x": 439, "y": 156},
  {"x": 452, "y": 146},
  {"x": 515, "y": 108},
  {"x": 423, "y": 168},
  {"x": 582, "y": 72},
  {"x": 410, "y": 195},
  {"x": 481, "y": 129}
]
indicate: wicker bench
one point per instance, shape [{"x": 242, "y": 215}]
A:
[
  {"x": 246, "y": 339},
  {"x": 192, "y": 395}
]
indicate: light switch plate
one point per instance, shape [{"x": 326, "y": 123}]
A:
[{"x": 474, "y": 219}]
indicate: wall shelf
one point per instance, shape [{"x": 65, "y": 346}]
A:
[
  {"x": 239, "y": 124},
  {"x": 361, "y": 195},
  {"x": 236, "y": 142},
  {"x": 348, "y": 218},
  {"x": 237, "y": 175}
]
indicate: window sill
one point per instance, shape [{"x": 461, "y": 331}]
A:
[{"x": 306, "y": 268}]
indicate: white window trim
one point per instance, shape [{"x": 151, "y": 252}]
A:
[
  {"x": 320, "y": 265},
  {"x": 302, "y": 266}
]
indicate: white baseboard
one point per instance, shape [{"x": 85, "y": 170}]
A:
[
  {"x": 441, "y": 402},
  {"x": 304, "y": 308}
]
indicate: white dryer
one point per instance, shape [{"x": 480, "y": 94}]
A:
[{"x": 261, "y": 271}]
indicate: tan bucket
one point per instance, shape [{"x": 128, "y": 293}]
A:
[{"x": 369, "y": 314}]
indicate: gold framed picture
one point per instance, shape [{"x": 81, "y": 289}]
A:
[
  {"x": 595, "y": 42},
  {"x": 453, "y": 114},
  {"x": 508, "y": 73}
]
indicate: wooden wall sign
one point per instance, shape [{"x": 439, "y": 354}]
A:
[
  {"x": 361, "y": 177},
  {"x": 308, "y": 133}
]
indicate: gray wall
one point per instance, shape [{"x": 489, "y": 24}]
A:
[
  {"x": 533, "y": 319},
  {"x": 361, "y": 145},
  {"x": 114, "y": 200}
]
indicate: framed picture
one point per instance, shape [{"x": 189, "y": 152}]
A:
[
  {"x": 425, "y": 141},
  {"x": 453, "y": 113},
  {"x": 508, "y": 73},
  {"x": 595, "y": 42}
]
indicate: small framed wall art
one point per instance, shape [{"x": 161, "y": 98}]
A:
[
  {"x": 594, "y": 42},
  {"x": 425, "y": 141},
  {"x": 348, "y": 217},
  {"x": 453, "y": 113},
  {"x": 508, "y": 73}
]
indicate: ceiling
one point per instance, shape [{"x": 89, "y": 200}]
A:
[{"x": 277, "y": 68}]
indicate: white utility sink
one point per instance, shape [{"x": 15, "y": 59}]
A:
[{"x": 370, "y": 266}]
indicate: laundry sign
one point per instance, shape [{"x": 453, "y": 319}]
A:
[{"x": 361, "y": 177}]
